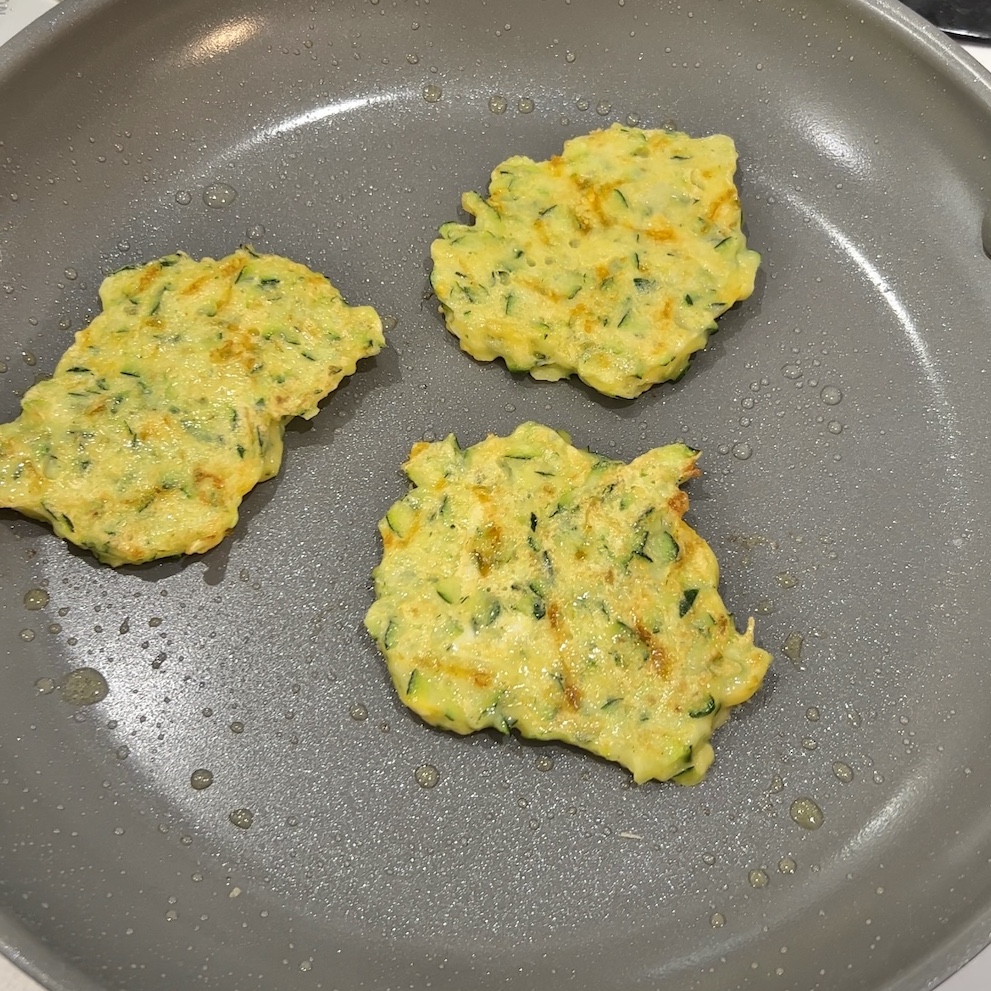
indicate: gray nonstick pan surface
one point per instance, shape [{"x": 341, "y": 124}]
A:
[{"x": 842, "y": 413}]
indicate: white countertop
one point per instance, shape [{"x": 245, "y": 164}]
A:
[{"x": 14, "y": 15}]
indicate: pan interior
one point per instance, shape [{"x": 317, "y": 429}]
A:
[{"x": 840, "y": 412}]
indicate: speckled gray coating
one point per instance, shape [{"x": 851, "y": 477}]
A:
[{"x": 842, "y": 415}]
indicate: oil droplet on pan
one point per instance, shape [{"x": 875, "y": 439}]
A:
[
  {"x": 544, "y": 762},
  {"x": 787, "y": 865},
  {"x": 525, "y": 105},
  {"x": 201, "y": 778},
  {"x": 831, "y": 395},
  {"x": 427, "y": 776},
  {"x": 45, "y": 686},
  {"x": 218, "y": 195},
  {"x": 717, "y": 920},
  {"x": 84, "y": 686},
  {"x": 792, "y": 647},
  {"x": 806, "y": 813},
  {"x": 758, "y": 878},
  {"x": 183, "y": 198},
  {"x": 498, "y": 104},
  {"x": 432, "y": 93},
  {"x": 843, "y": 772},
  {"x": 359, "y": 712},
  {"x": 742, "y": 451},
  {"x": 242, "y": 818}
]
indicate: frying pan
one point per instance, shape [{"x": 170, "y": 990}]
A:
[{"x": 841, "y": 412}]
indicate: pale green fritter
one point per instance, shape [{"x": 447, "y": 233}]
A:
[
  {"x": 611, "y": 261},
  {"x": 526, "y": 584},
  {"x": 171, "y": 405}
]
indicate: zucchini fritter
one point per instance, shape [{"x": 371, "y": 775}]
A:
[
  {"x": 527, "y": 584},
  {"x": 171, "y": 405},
  {"x": 611, "y": 260}
]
